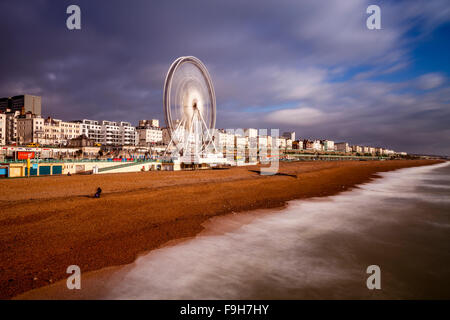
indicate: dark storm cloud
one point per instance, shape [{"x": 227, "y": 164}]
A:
[{"x": 273, "y": 63}]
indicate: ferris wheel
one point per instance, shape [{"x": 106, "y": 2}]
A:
[{"x": 189, "y": 105}]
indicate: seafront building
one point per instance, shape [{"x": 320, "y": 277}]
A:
[
  {"x": 357, "y": 149},
  {"x": 328, "y": 145},
  {"x": 18, "y": 129},
  {"x": 289, "y": 144},
  {"x": 10, "y": 126},
  {"x": 23, "y": 104},
  {"x": 297, "y": 144},
  {"x": 166, "y": 136},
  {"x": 21, "y": 124},
  {"x": 109, "y": 133},
  {"x": 58, "y": 132},
  {"x": 343, "y": 147},
  {"x": 251, "y": 133},
  {"x": 240, "y": 142},
  {"x": 91, "y": 129},
  {"x": 153, "y": 123},
  {"x": 316, "y": 145},
  {"x": 289, "y": 135},
  {"x": 222, "y": 139},
  {"x": 308, "y": 144},
  {"x": 149, "y": 133},
  {"x": 3, "y": 129},
  {"x": 30, "y": 129},
  {"x": 261, "y": 142}
]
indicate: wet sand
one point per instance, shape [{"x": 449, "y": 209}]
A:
[{"x": 47, "y": 224}]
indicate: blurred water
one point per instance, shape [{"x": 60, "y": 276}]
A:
[{"x": 317, "y": 248}]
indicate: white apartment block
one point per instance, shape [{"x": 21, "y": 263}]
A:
[
  {"x": 69, "y": 130},
  {"x": 252, "y": 137},
  {"x": 3, "y": 120},
  {"x": 262, "y": 142},
  {"x": 91, "y": 129},
  {"x": 149, "y": 136},
  {"x": 251, "y": 133},
  {"x": 357, "y": 149},
  {"x": 148, "y": 132},
  {"x": 109, "y": 133},
  {"x": 222, "y": 139},
  {"x": 328, "y": 145},
  {"x": 240, "y": 142},
  {"x": 117, "y": 133},
  {"x": 317, "y": 146},
  {"x": 289, "y": 144},
  {"x": 58, "y": 132},
  {"x": 127, "y": 134}
]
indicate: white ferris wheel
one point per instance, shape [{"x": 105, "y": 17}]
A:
[{"x": 190, "y": 107}]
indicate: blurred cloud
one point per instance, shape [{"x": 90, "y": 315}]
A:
[
  {"x": 430, "y": 81},
  {"x": 298, "y": 116}
]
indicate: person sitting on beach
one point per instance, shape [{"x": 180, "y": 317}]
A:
[{"x": 97, "y": 194}]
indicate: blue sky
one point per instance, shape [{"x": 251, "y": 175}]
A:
[{"x": 304, "y": 65}]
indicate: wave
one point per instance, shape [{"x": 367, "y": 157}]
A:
[{"x": 311, "y": 249}]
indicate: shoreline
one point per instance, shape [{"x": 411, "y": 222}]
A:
[{"x": 42, "y": 236}]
